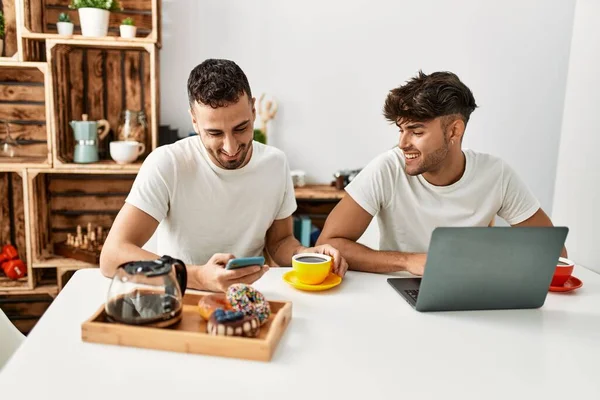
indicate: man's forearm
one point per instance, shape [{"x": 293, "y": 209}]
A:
[
  {"x": 283, "y": 251},
  {"x": 362, "y": 258},
  {"x": 113, "y": 256}
]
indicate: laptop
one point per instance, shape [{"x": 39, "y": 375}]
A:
[{"x": 484, "y": 268}]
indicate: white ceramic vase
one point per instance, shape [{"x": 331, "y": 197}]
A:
[
  {"x": 94, "y": 22},
  {"x": 65, "y": 28},
  {"x": 128, "y": 31}
]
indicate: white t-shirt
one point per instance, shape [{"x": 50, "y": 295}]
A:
[
  {"x": 204, "y": 209},
  {"x": 408, "y": 208}
]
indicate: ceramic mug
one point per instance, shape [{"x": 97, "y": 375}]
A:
[
  {"x": 563, "y": 271},
  {"x": 311, "y": 268},
  {"x": 126, "y": 151}
]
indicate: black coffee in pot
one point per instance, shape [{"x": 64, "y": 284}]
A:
[{"x": 143, "y": 307}]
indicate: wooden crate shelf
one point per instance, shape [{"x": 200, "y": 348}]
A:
[
  {"x": 61, "y": 262},
  {"x": 50, "y": 289},
  {"x": 14, "y": 225},
  {"x": 40, "y": 17},
  {"x": 24, "y": 110},
  {"x": 10, "y": 51},
  {"x": 24, "y": 308},
  {"x": 33, "y": 50},
  {"x": 59, "y": 202},
  {"x": 74, "y": 39},
  {"x": 65, "y": 274},
  {"x": 46, "y": 81},
  {"x": 101, "y": 82}
]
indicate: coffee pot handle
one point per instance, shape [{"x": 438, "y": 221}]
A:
[
  {"x": 103, "y": 128},
  {"x": 181, "y": 274}
]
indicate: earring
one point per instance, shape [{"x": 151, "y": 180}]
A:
[{"x": 452, "y": 142}]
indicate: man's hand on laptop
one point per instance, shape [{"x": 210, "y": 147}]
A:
[
  {"x": 415, "y": 263},
  {"x": 214, "y": 277}
]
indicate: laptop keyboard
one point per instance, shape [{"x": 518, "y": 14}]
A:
[{"x": 412, "y": 293}]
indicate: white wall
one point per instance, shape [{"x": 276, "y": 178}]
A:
[
  {"x": 331, "y": 63},
  {"x": 577, "y": 194}
]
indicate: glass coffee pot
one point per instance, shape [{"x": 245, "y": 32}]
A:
[
  {"x": 132, "y": 126},
  {"x": 148, "y": 293},
  {"x": 9, "y": 147}
]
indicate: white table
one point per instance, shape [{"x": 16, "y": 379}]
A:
[{"x": 360, "y": 340}]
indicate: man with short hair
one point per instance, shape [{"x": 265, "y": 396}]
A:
[
  {"x": 427, "y": 181},
  {"x": 214, "y": 196}
]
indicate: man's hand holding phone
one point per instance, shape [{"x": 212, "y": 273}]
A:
[{"x": 223, "y": 270}]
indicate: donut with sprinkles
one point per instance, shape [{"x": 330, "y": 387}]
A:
[{"x": 248, "y": 300}]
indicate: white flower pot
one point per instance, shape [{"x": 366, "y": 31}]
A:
[
  {"x": 65, "y": 28},
  {"x": 94, "y": 22},
  {"x": 127, "y": 31}
]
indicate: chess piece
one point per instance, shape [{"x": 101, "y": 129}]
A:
[
  {"x": 79, "y": 237},
  {"x": 89, "y": 230},
  {"x": 77, "y": 243},
  {"x": 86, "y": 243},
  {"x": 99, "y": 234}
]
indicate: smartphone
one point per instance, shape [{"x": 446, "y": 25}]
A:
[{"x": 237, "y": 263}]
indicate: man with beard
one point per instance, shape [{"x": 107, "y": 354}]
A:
[
  {"x": 214, "y": 196},
  {"x": 427, "y": 181}
]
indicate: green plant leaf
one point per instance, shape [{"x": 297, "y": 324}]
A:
[
  {"x": 64, "y": 17},
  {"x": 1, "y": 25},
  {"x": 260, "y": 136},
  {"x": 110, "y": 5}
]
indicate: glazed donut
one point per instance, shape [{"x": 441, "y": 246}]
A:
[
  {"x": 232, "y": 323},
  {"x": 248, "y": 300},
  {"x": 208, "y": 304}
]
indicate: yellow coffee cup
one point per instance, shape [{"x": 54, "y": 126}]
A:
[{"x": 311, "y": 268}]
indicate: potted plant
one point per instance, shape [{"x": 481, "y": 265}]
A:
[
  {"x": 128, "y": 28},
  {"x": 64, "y": 25},
  {"x": 94, "y": 15},
  {"x": 260, "y": 136},
  {"x": 1, "y": 33}
]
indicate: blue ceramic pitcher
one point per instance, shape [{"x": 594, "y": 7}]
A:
[{"x": 87, "y": 134}]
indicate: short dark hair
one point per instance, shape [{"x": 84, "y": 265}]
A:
[
  {"x": 217, "y": 83},
  {"x": 426, "y": 97}
]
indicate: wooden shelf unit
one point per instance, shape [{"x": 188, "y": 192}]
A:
[
  {"x": 14, "y": 225},
  {"x": 61, "y": 201},
  {"x": 10, "y": 51},
  {"x": 316, "y": 202},
  {"x": 47, "y": 80},
  {"x": 25, "y": 307},
  {"x": 40, "y": 17},
  {"x": 101, "y": 82},
  {"x": 24, "y": 110}
]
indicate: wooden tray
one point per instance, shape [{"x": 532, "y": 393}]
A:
[{"x": 189, "y": 335}]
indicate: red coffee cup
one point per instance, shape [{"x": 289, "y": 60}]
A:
[{"x": 563, "y": 271}]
